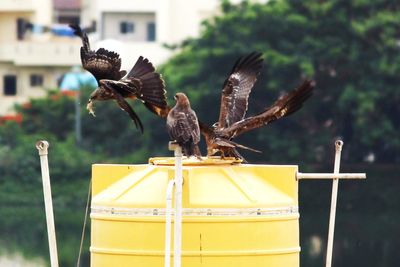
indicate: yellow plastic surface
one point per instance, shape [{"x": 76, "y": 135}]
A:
[{"x": 234, "y": 215}]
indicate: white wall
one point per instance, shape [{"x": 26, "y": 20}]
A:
[
  {"x": 112, "y": 20},
  {"x": 175, "y": 19},
  {"x": 43, "y": 12},
  {"x": 185, "y": 17},
  {"x": 24, "y": 89},
  {"x": 8, "y": 22}
]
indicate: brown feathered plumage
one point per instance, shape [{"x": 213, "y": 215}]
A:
[
  {"x": 284, "y": 106},
  {"x": 103, "y": 64},
  {"x": 234, "y": 103},
  {"x": 142, "y": 82},
  {"x": 183, "y": 126},
  {"x": 236, "y": 89},
  {"x": 220, "y": 139}
]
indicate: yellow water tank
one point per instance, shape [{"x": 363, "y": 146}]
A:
[{"x": 237, "y": 215}]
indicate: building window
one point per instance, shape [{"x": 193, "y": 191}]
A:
[
  {"x": 22, "y": 26},
  {"x": 10, "y": 85},
  {"x": 126, "y": 27},
  {"x": 68, "y": 19},
  {"x": 36, "y": 80},
  {"x": 151, "y": 31}
]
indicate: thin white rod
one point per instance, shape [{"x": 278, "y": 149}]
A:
[
  {"x": 300, "y": 175},
  {"x": 178, "y": 207},
  {"x": 332, "y": 217},
  {"x": 48, "y": 204},
  {"x": 78, "y": 262},
  {"x": 168, "y": 222}
]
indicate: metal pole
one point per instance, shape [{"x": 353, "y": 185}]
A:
[
  {"x": 335, "y": 184},
  {"x": 78, "y": 124},
  {"x": 168, "y": 220},
  {"x": 42, "y": 146},
  {"x": 178, "y": 207},
  {"x": 78, "y": 262},
  {"x": 301, "y": 176}
]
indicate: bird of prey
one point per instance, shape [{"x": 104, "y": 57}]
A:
[
  {"x": 220, "y": 139},
  {"x": 183, "y": 126},
  {"x": 234, "y": 103},
  {"x": 237, "y": 88},
  {"x": 142, "y": 82}
]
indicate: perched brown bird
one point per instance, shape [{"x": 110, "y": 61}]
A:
[
  {"x": 183, "y": 126},
  {"x": 220, "y": 139},
  {"x": 142, "y": 82}
]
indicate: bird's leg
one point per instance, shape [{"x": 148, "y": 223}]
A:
[
  {"x": 209, "y": 152},
  {"x": 197, "y": 152}
]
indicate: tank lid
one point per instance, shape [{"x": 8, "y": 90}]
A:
[{"x": 192, "y": 161}]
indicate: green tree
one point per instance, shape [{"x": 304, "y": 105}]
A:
[{"x": 350, "y": 48}]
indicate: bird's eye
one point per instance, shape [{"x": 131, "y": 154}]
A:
[{"x": 176, "y": 96}]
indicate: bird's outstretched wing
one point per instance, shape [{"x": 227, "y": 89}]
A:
[
  {"x": 103, "y": 64},
  {"x": 237, "y": 88},
  {"x": 124, "y": 105},
  {"x": 284, "y": 106}
]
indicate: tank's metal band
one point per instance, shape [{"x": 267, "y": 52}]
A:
[
  {"x": 203, "y": 253},
  {"x": 240, "y": 212}
]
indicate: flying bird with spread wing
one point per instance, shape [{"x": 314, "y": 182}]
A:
[
  {"x": 234, "y": 103},
  {"x": 183, "y": 126},
  {"x": 237, "y": 88},
  {"x": 220, "y": 139},
  {"x": 142, "y": 82}
]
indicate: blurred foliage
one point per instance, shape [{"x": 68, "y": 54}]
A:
[
  {"x": 350, "y": 48},
  {"x": 366, "y": 227}
]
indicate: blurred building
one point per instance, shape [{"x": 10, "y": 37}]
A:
[
  {"x": 37, "y": 49},
  {"x": 32, "y": 58}
]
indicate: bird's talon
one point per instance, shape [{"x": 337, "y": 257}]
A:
[{"x": 89, "y": 107}]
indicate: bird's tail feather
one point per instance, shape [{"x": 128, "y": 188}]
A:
[
  {"x": 247, "y": 148},
  {"x": 231, "y": 144},
  {"x": 152, "y": 89},
  {"x": 141, "y": 67},
  {"x": 234, "y": 153},
  {"x": 190, "y": 149}
]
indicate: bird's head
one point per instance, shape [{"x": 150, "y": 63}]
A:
[
  {"x": 101, "y": 93},
  {"x": 182, "y": 100},
  {"x": 215, "y": 125}
]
